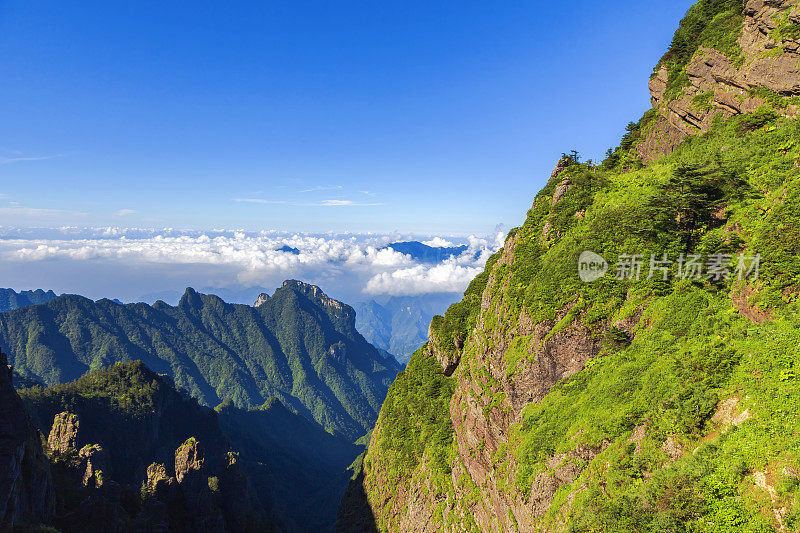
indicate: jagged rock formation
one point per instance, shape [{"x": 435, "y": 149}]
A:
[
  {"x": 98, "y": 486},
  {"x": 26, "y": 490},
  {"x": 239, "y": 500},
  {"x": 135, "y": 415},
  {"x": 96, "y": 462},
  {"x": 193, "y": 480},
  {"x": 262, "y": 298},
  {"x": 64, "y": 433},
  {"x": 135, "y": 451},
  {"x": 763, "y": 67}
]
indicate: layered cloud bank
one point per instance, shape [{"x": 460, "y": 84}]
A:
[{"x": 350, "y": 266}]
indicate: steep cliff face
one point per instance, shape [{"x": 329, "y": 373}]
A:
[
  {"x": 638, "y": 399},
  {"x": 26, "y": 487}
]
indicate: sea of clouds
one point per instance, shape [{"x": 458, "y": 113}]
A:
[{"x": 135, "y": 264}]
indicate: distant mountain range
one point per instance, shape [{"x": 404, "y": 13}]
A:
[
  {"x": 10, "y": 299},
  {"x": 399, "y": 324},
  {"x": 294, "y": 385},
  {"x": 424, "y": 253},
  {"x": 298, "y": 345}
]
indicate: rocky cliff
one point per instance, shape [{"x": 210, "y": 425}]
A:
[
  {"x": 26, "y": 487},
  {"x": 638, "y": 400},
  {"x": 758, "y": 64}
]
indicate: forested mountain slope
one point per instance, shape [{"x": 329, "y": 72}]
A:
[
  {"x": 656, "y": 388},
  {"x": 299, "y": 346}
]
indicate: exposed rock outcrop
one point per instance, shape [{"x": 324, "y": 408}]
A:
[
  {"x": 237, "y": 499},
  {"x": 447, "y": 357},
  {"x": 721, "y": 85},
  {"x": 490, "y": 398},
  {"x": 192, "y": 476},
  {"x": 95, "y": 463},
  {"x": 64, "y": 433},
  {"x": 103, "y": 485},
  {"x": 510, "y": 458},
  {"x": 158, "y": 482}
]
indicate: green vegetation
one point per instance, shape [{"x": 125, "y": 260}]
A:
[
  {"x": 786, "y": 28},
  {"x": 139, "y": 418},
  {"x": 702, "y": 101},
  {"x": 416, "y": 418},
  {"x": 684, "y": 418},
  {"x": 452, "y": 328},
  {"x": 701, "y": 344},
  {"x": 296, "y": 347},
  {"x": 774, "y": 99},
  {"x": 116, "y": 408}
]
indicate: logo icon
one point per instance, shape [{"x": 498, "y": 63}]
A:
[{"x": 591, "y": 266}]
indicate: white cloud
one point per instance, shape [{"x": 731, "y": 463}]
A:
[
  {"x": 345, "y": 203},
  {"x": 259, "y": 201},
  {"x": 422, "y": 279},
  {"x": 17, "y": 159},
  {"x": 438, "y": 242},
  {"x": 246, "y": 259},
  {"x": 17, "y": 210},
  {"x": 323, "y": 188},
  {"x": 125, "y": 212},
  {"x": 323, "y": 203}
]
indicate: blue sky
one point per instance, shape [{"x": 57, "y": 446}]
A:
[{"x": 421, "y": 117}]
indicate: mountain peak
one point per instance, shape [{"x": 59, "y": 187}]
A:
[
  {"x": 301, "y": 285},
  {"x": 313, "y": 292},
  {"x": 10, "y": 299},
  {"x": 190, "y": 298}
]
